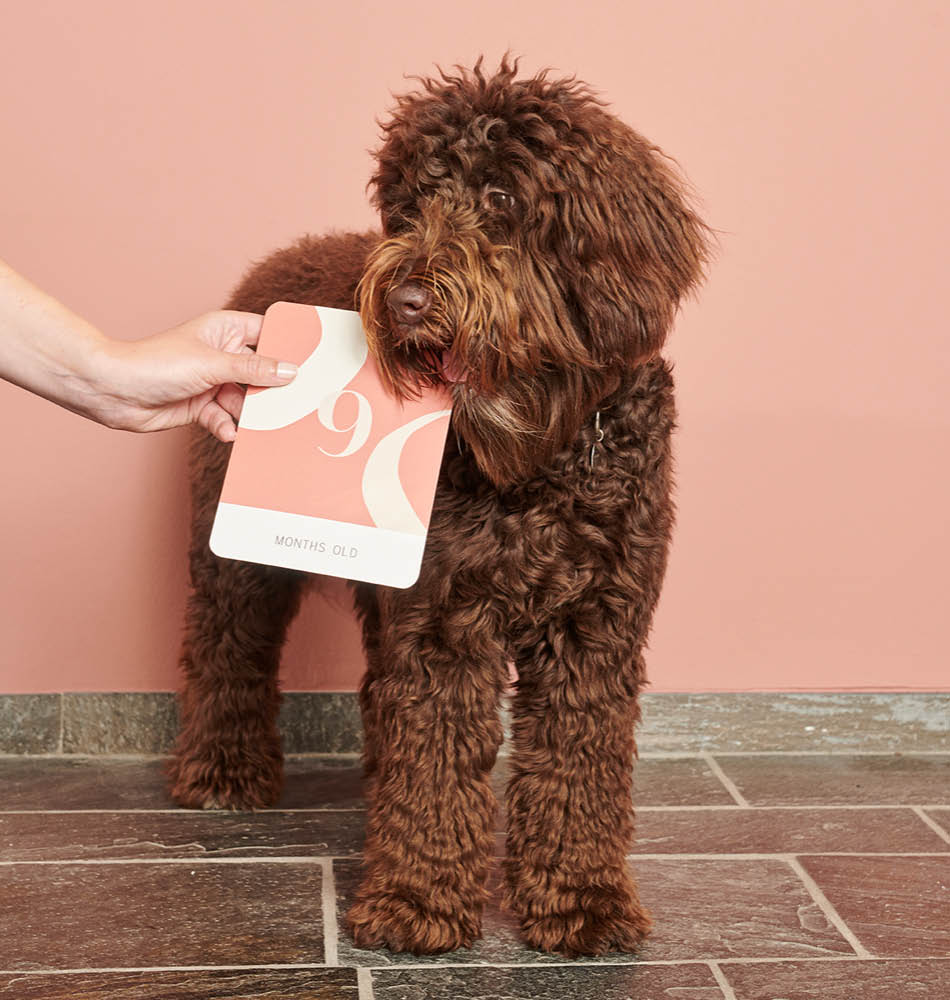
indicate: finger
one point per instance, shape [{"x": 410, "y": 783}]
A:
[
  {"x": 246, "y": 326},
  {"x": 231, "y": 399},
  {"x": 218, "y": 421},
  {"x": 252, "y": 369}
]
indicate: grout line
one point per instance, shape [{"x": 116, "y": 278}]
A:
[
  {"x": 23, "y": 973},
  {"x": 436, "y": 965},
  {"x": 62, "y": 723},
  {"x": 724, "y": 984},
  {"x": 785, "y": 959},
  {"x": 636, "y": 963},
  {"x": 151, "y": 755},
  {"x": 726, "y": 781},
  {"x": 320, "y": 859},
  {"x": 330, "y": 931},
  {"x": 330, "y": 811},
  {"x": 761, "y": 856},
  {"x": 263, "y": 859},
  {"x": 932, "y": 823},
  {"x": 364, "y": 983},
  {"x": 104, "y": 758},
  {"x": 824, "y": 904},
  {"x": 354, "y": 756},
  {"x": 798, "y": 807},
  {"x": 884, "y": 752},
  {"x": 247, "y": 815},
  {"x": 687, "y": 754}
]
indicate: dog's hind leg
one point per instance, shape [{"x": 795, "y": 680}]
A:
[
  {"x": 430, "y": 707},
  {"x": 228, "y": 754}
]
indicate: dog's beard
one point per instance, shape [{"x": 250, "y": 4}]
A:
[
  {"x": 513, "y": 433},
  {"x": 497, "y": 331},
  {"x": 473, "y": 320}
]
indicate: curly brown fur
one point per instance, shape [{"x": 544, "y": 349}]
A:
[
  {"x": 553, "y": 245},
  {"x": 547, "y": 300}
]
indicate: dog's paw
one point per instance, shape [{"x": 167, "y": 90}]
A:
[
  {"x": 214, "y": 779},
  {"x": 609, "y": 921},
  {"x": 389, "y": 921}
]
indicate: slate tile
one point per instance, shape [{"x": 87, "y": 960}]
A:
[
  {"x": 30, "y": 723},
  {"x": 576, "y": 981},
  {"x": 183, "y": 833},
  {"x": 721, "y": 908},
  {"x": 323, "y": 783},
  {"x": 146, "y": 722},
  {"x": 701, "y": 908},
  {"x": 139, "y": 783},
  {"x": 82, "y": 783},
  {"x": 320, "y": 722},
  {"x": 270, "y": 984},
  {"x": 887, "y": 722},
  {"x": 89, "y": 916},
  {"x": 833, "y": 780},
  {"x": 657, "y": 781},
  {"x": 683, "y": 781},
  {"x": 127, "y": 722},
  {"x": 328, "y": 722},
  {"x": 784, "y": 831},
  {"x": 858, "y": 980},
  {"x": 897, "y": 907}
]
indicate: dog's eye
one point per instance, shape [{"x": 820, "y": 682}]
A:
[{"x": 500, "y": 201}]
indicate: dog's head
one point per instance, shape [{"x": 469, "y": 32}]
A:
[{"x": 535, "y": 249}]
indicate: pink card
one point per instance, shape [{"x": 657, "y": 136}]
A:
[{"x": 330, "y": 474}]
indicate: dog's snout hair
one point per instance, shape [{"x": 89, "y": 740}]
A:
[{"x": 470, "y": 280}]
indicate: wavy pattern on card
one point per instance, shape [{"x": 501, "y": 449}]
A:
[
  {"x": 340, "y": 354},
  {"x": 383, "y": 493}
]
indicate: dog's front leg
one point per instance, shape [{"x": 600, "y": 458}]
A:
[
  {"x": 570, "y": 804},
  {"x": 430, "y": 710}
]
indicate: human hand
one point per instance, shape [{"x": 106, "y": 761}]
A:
[{"x": 184, "y": 375}]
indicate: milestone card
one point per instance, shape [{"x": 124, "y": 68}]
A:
[{"x": 330, "y": 474}]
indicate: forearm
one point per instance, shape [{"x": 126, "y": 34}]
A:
[
  {"x": 184, "y": 374},
  {"x": 46, "y": 348}
]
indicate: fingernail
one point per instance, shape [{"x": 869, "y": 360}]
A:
[{"x": 286, "y": 371}]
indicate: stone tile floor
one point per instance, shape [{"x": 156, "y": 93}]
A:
[{"x": 771, "y": 876}]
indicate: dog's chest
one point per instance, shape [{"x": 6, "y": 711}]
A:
[{"x": 535, "y": 547}]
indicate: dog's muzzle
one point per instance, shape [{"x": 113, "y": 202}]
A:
[{"x": 409, "y": 304}]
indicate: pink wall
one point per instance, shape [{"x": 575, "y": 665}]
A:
[{"x": 150, "y": 151}]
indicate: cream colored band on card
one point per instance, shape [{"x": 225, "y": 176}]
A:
[{"x": 317, "y": 545}]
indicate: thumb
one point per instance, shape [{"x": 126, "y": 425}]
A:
[{"x": 253, "y": 369}]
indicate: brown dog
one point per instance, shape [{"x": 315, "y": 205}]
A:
[{"x": 533, "y": 254}]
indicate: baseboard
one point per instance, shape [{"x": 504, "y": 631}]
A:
[{"x": 328, "y": 723}]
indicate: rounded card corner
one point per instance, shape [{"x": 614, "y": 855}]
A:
[
  {"x": 410, "y": 580},
  {"x": 213, "y": 547}
]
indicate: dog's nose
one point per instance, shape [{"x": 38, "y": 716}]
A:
[{"x": 409, "y": 302}]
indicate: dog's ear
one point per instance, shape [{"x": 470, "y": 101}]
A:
[{"x": 637, "y": 247}]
